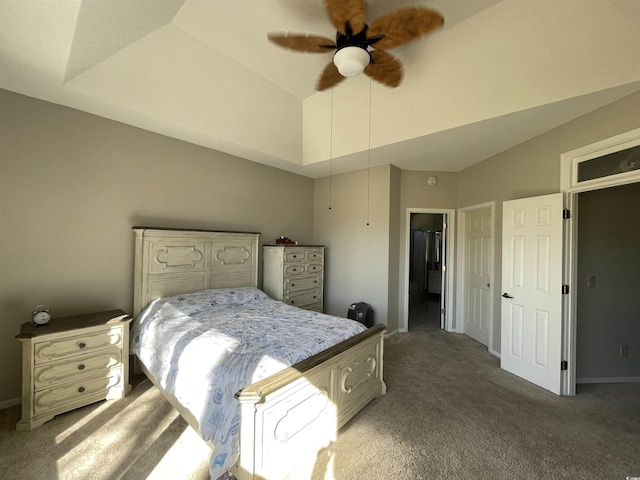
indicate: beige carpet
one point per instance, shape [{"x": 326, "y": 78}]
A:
[{"x": 450, "y": 413}]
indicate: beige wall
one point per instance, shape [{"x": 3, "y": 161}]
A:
[
  {"x": 71, "y": 187},
  {"x": 533, "y": 168},
  {"x": 357, "y": 260},
  {"x": 395, "y": 195}
]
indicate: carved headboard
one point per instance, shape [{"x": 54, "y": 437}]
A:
[{"x": 170, "y": 262}]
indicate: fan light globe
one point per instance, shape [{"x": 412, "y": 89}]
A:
[{"x": 351, "y": 61}]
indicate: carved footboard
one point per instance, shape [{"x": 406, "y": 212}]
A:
[{"x": 290, "y": 416}]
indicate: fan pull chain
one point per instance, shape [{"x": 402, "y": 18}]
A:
[
  {"x": 369, "y": 159},
  {"x": 330, "y": 146}
]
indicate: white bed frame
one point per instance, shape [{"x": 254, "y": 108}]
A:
[{"x": 289, "y": 416}]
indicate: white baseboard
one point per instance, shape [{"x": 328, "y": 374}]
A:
[
  {"x": 494, "y": 352},
  {"x": 391, "y": 334},
  {"x": 608, "y": 380},
  {"x": 10, "y": 403}
]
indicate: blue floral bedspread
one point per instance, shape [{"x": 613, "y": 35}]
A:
[{"x": 204, "y": 347}]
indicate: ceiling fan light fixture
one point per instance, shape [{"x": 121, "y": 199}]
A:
[{"x": 351, "y": 61}]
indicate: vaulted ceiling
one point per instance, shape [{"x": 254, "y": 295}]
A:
[{"x": 497, "y": 74}]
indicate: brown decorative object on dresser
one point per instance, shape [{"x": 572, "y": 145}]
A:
[
  {"x": 294, "y": 274},
  {"x": 72, "y": 362}
]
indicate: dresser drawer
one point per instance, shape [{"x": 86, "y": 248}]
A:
[
  {"x": 292, "y": 285},
  {"x": 294, "y": 269},
  {"x": 297, "y": 269},
  {"x": 78, "y": 345},
  {"x": 314, "y": 256},
  {"x": 46, "y": 375},
  {"x": 303, "y": 301},
  {"x": 295, "y": 255},
  {"x": 314, "y": 268},
  {"x": 77, "y": 393}
]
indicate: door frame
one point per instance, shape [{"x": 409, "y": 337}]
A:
[
  {"x": 570, "y": 187},
  {"x": 449, "y": 244},
  {"x": 461, "y": 302}
]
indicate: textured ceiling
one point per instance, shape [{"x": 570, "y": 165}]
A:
[{"x": 497, "y": 74}]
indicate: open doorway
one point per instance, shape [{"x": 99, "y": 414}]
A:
[
  {"x": 447, "y": 309},
  {"x": 608, "y": 257},
  {"x": 612, "y": 162},
  {"x": 426, "y": 257}
]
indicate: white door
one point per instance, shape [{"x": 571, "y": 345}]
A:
[
  {"x": 477, "y": 279},
  {"x": 532, "y": 285}
]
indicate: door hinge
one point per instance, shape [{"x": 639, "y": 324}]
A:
[
  {"x": 443, "y": 311},
  {"x": 566, "y": 213},
  {"x": 565, "y": 289},
  {"x": 444, "y": 268},
  {"x": 564, "y": 365},
  {"x": 444, "y": 226}
]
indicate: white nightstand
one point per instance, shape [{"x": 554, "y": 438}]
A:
[{"x": 71, "y": 362}]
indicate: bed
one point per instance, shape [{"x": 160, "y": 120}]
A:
[{"x": 295, "y": 402}]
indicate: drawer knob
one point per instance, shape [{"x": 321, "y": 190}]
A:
[
  {"x": 81, "y": 389},
  {"x": 81, "y": 366},
  {"x": 81, "y": 345},
  {"x": 293, "y": 284},
  {"x": 292, "y": 302}
]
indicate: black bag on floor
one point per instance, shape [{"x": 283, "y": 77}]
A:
[{"x": 361, "y": 312}]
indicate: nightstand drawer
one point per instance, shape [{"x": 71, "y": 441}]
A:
[
  {"x": 300, "y": 284},
  {"x": 80, "y": 392},
  {"x": 49, "y": 374},
  {"x": 68, "y": 347}
]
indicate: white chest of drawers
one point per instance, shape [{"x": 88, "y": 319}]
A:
[
  {"x": 71, "y": 362},
  {"x": 294, "y": 274}
]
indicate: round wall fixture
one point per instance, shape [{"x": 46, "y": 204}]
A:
[{"x": 432, "y": 180}]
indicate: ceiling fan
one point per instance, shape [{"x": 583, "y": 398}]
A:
[{"x": 360, "y": 47}]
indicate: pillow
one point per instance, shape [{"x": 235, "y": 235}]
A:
[
  {"x": 203, "y": 300},
  {"x": 232, "y": 296}
]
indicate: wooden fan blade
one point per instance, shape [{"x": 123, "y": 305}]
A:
[
  {"x": 330, "y": 77},
  {"x": 302, "y": 43},
  {"x": 384, "y": 68},
  {"x": 403, "y": 26},
  {"x": 346, "y": 15}
]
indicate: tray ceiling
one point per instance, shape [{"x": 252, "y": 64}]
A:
[{"x": 497, "y": 74}]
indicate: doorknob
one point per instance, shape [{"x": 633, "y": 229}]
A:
[{"x": 506, "y": 295}]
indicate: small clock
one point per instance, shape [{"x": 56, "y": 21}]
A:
[{"x": 41, "y": 315}]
